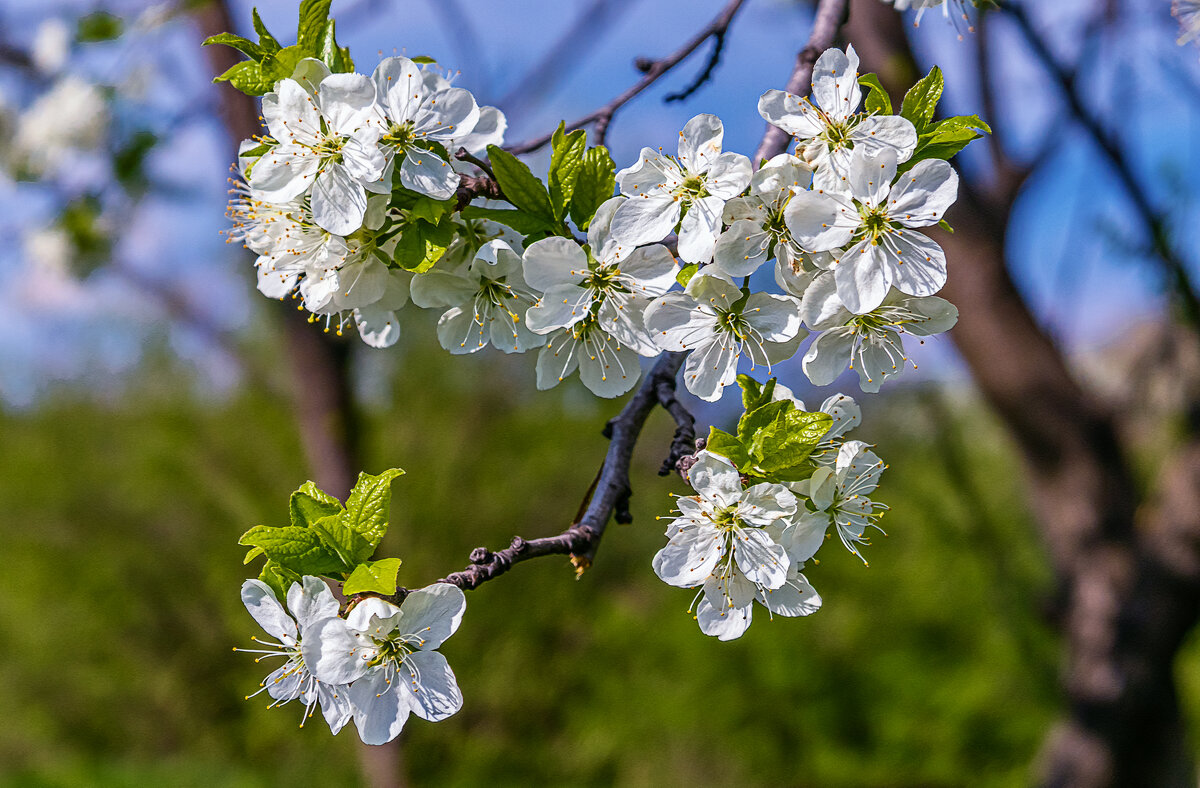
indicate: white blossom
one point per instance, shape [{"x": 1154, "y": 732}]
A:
[
  {"x": 689, "y": 190},
  {"x": 387, "y": 655},
  {"x": 310, "y": 601},
  {"x": 418, "y": 111},
  {"x": 830, "y": 126},
  {"x": 377, "y": 322},
  {"x": 606, "y": 280},
  {"x": 51, "y": 45},
  {"x": 871, "y": 219},
  {"x": 327, "y": 144},
  {"x": 839, "y": 496},
  {"x": 713, "y": 320},
  {"x": 71, "y": 116},
  {"x": 872, "y": 344},
  {"x": 756, "y": 226},
  {"x": 487, "y": 298},
  {"x": 726, "y": 541}
]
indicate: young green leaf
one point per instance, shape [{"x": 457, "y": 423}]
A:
[
  {"x": 422, "y": 244},
  {"x": 755, "y": 394},
  {"x": 524, "y": 223},
  {"x": 920, "y": 102},
  {"x": 336, "y": 57},
  {"x": 686, "y": 273},
  {"x": 350, "y": 548},
  {"x": 595, "y": 183},
  {"x": 243, "y": 45},
  {"x": 789, "y": 440},
  {"x": 728, "y": 446},
  {"x": 98, "y": 26},
  {"x": 367, "y": 507},
  {"x": 267, "y": 41},
  {"x": 309, "y": 504},
  {"x": 520, "y": 186},
  {"x": 294, "y": 547},
  {"x": 376, "y": 577},
  {"x": 314, "y": 18},
  {"x": 279, "y": 578},
  {"x": 755, "y": 421},
  {"x": 566, "y": 160},
  {"x": 878, "y": 100}
]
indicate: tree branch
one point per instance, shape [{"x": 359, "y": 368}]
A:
[
  {"x": 611, "y": 491},
  {"x": 829, "y": 16},
  {"x": 653, "y": 69},
  {"x": 1154, "y": 220}
]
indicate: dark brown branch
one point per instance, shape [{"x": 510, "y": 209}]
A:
[
  {"x": 654, "y": 70},
  {"x": 829, "y": 16},
  {"x": 611, "y": 490},
  {"x": 710, "y": 67},
  {"x": 1155, "y": 221}
]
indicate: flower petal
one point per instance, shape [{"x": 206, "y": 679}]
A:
[
  {"x": 380, "y": 709},
  {"x": 433, "y": 613},
  {"x": 264, "y": 608},
  {"x": 427, "y": 677},
  {"x": 688, "y": 559}
]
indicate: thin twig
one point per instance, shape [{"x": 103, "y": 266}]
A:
[
  {"x": 829, "y": 16},
  {"x": 1154, "y": 220},
  {"x": 611, "y": 494},
  {"x": 714, "y": 60},
  {"x": 654, "y": 70}
]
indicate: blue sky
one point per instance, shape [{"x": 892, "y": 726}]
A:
[{"x": 1070, "y": 239}]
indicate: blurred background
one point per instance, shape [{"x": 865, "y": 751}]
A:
[{"x": 1028, "y": 617}]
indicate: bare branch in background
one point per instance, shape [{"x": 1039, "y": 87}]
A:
[{"x": 654, "y": 70}]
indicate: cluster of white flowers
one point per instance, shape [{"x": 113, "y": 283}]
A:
[
  {"x": 836, "y": 216},
  {"x": 1188, "y": 14},
  {"x": 740, "y": 545},
  {"x": 376, "y": 665},
  {"x": 314, "y": 197}
]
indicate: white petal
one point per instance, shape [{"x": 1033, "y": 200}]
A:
[
  {"x": 434, "y": 689},
  {"x": 362, "y": 283},
  {"x": 877, "y": 132},
  {"x": 338, "y": 201},
  {"x": 398, "y": 81},
  {"x": 700, "y": 143},
  {"x": 335, "y": 705},
  {"x": 363, "y": 160},
  {"x": 310, "y": 600},
  {"x": 380, "y": 709},
  {"x": 728, "y": 176},
  {"x": 940, "y": 315},
  {"x": 762, "y": 561},
  {"x": 653, "y": 173},
  {"x": 676, "y": 324},
  {"x": 919, "y": 269},
  {"x": 378, "y": 327},
  {"x": 291, "y": 115},
  {"x": 688, "y": 559},
  {"x": 699, "y": 229},
  {"x": 795, "y": 598},
  {"x": 553, "y": 262},
  {"x": 433, "y": 613},
  {"x": 923, "y": 194},
  {"x": 649, "y": 271},
  {"x": 820, "y": 222},
  {"x": 725, "y": 623},
  {"x": 264, "y": 608},
  {"x": 447, "y": 114},
  {"x": 742, "y": 248},
  {"x": 460, "y": 332},
  {"x": 820, "y": 308},
  {"x": 347, "y": 102},
  {"x": 559, "y": 307},
  {"x": 711, "y": 367},
  {"x": 333, "y": 653},
  {"x": 424, "y": 172},
  {"x": 775, "y": 317},
  {"x": 610, "y": 371},
  {"x": 835, "y": 82},
  {"x": 764, "y": 504},
  {"x": 828, "y": 356},
  {"x": 863, "y": 276},
  {"x": 715, "y": 478},
  {"x": 284, "y": 173},
  {"x": 641, "y": 220},
  {"x": 871, "y": 175},
  {"x": 439, "y": 289},
  {"x": 557, "y": 360},
  {"x": 790, "y": 113},
  {"x": 806, "y": 535}
]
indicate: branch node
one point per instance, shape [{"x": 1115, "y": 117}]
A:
[
  {"x": 481, "y": 555},
  {"x": 644, "y": 64}
]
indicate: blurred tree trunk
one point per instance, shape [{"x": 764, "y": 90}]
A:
[
  {"x": 1128, "y": 568},
  {"x": 318, "y": 364}
]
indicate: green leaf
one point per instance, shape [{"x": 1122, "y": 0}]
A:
[
  {"x": 566, "y": 160},
  {"x": 367, "y": 507},
  {"x": 98, "y": 26},
  {"x": 256, "y": 79},
  {"x": 878, "y": 100},
  {"x": 279, "y": 578},
  {"x": 314, "y": 18},
  {"x": 595, "y": 183},
  {"x": 762, "y": 418},
  {"x": 338, "y": 538},
  {"x": 754, "y": 394},
  {"x": 789, "y": 439},
  {"x": 309, "y": 504},
  {"x": 920, "y": 102},
  {"x": 686, "y": 273},
  {"x": 376, "y": 577},
  {"x": 336, "y": 57},
  {"x": 423, "y": 60},
  {"x": 957, "y": 123},
  {"x": 253, "y": 553},
  {"x": 243, "y": 45},
  {"x": 129, "y": 162},
  {"x": 945, "y": 225},
  {"x": 430, "y": 210},
  {"x": 520, "y": 186},
  {"x": 422, "y": 244},
  {"x": 728, "y": 446},
  {"x": 524, "y": 223},
  {"x": 265, "y": 40},
  {"x": 294, "y": 547}
]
